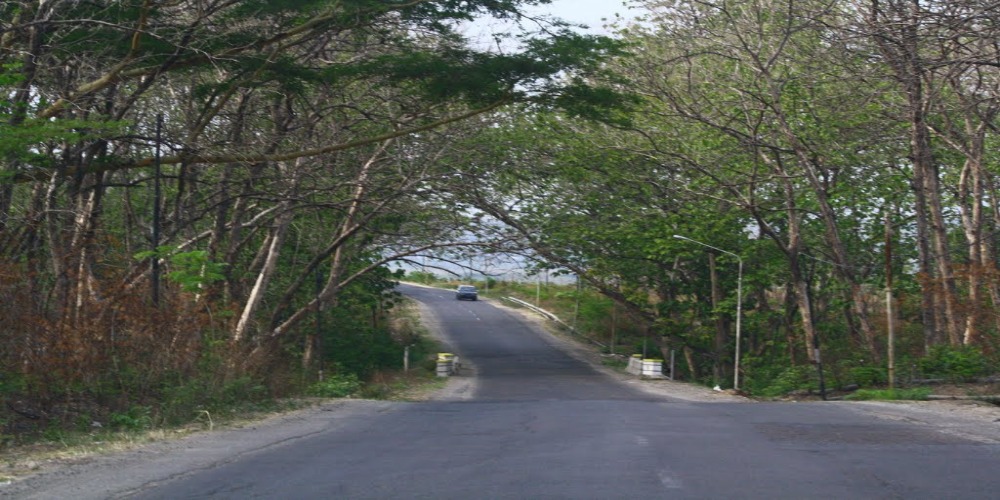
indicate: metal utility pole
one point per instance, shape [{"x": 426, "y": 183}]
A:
[
  {"x": 538, "y": 290},
  {"x": 576, "y": 307},
  {"x": 614, "y": 330},
  {"x": 317, "y": 346},
  {"x": 891, "y": 340}
]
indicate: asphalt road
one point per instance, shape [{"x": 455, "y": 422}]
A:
[{"x": 544, "y": 425}]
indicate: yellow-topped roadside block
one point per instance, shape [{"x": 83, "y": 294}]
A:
[{"x": 445, "y": 364}]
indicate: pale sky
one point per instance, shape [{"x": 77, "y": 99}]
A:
[
  {"x": 589, "y": 12},
  {"x": 593, "y": 13}
]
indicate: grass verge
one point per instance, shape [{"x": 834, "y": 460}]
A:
[{"x": 917, "y": 394}]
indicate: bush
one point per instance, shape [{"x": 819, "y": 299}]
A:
[
  {"x": 338, "y": 386},
  {"x": 956, "y": 364},
  {"x": 918, "y": 394},
  {"x": 375, "y": 391},
  {"x": 615, "y": 362},
  {"x": 182, "y": 401},
  {"x": 868, "y": 376},
  {"x": 792, "y": 379},
  {"x": 11, "y": 383},
  {"x": 137, "y": 418}
]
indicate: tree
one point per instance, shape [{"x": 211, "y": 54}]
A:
[
  {"x": 276, "y": 115},
  {"x": 939, "y": 58}
]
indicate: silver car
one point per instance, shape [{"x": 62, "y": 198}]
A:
[{"x": 466, "y": 292}]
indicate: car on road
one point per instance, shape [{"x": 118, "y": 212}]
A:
[{"x": 466, "y": 292}]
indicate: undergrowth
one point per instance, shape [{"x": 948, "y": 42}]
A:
[{"x": 915, "y": 394}]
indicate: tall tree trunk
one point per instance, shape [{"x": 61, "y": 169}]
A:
[
  {"x": 721, "y": 327},
  {"x": 970, "y": 142},
  {"x": 691, "y": 364},
  {"x": 788, "y": 319},
  {"x": 83, "y": 285},
  {"x": 990, "y": 259},
  {"x": 799, "y": 287},
  {"x": 930, "y": 304},
  {"x": 972, "y": 223},
  {"x": 895, "y": 28},
  {"x": 843, "y": 268},
  {"x": 939, "y": 230},
  {"x": 792, "y": 247},
  {"x": 804, "y": 303},
  {"x": 274, "y": 244},
  {"x": 338, "y": 263},
  {"x": 337, "y": 252}
]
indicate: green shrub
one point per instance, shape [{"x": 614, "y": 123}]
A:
[
  {"x": 11, "y": 383},
  {"x": 954, "y": 363},
  {"x": 137, "y": 418},
  {"x": 868, "y": 376},
  {"x": 917, "y": 394},
  {"x": 191, "y": 270},
  {"x": 375, "y": 391},
  {"x": 182, "y": 401},
  {"x": 82, "y": 422},
  {"x": 54, "y": 433},
  {"x": 795, "y": 378},
  {"x": 338, "y": 386},
  {"x": 241, "y": 390},
  {"x": 615, "y": 362}
]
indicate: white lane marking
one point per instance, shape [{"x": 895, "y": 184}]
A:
[{"x": 641, "y": 441}]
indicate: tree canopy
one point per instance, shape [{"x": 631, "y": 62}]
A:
[{"x": 191, "y": 174}]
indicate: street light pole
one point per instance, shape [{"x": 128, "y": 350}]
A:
[{"x": 739, "y": 304}]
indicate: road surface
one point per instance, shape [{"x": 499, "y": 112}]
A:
[{"x": 541, "y": 424}]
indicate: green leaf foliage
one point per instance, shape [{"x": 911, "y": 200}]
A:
[
  {"x": 915, "y": 394},
  {"x": 963, "y": 363}
]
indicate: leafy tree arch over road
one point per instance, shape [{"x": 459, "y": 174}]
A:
[{"x": 299, "y": 138}]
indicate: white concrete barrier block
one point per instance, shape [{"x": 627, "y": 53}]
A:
[
  {"x": 634, "y": 365},
  {"x": 652, "y": 368}
]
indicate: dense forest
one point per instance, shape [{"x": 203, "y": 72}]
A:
[{"x": 213, "y": 198}]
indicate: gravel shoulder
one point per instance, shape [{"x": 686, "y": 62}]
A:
[{"x": 971, "y": 420}]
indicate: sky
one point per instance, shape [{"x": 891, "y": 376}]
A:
[
  {"x": 589, "y": 12},
  {"x": 593, "y": 13}
]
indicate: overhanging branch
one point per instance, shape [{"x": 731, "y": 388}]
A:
[{"x": 191, "y": 159}]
